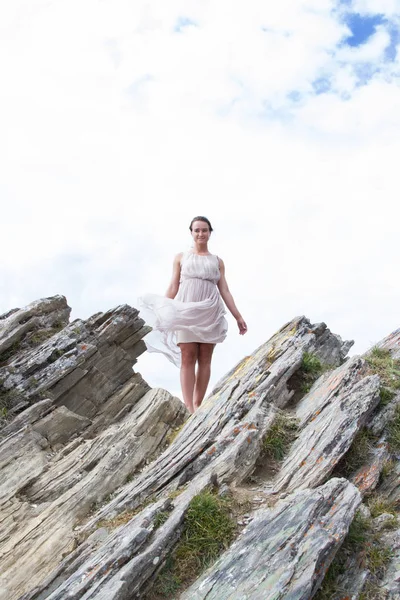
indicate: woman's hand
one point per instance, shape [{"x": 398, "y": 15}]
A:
[{"x": 242, "y": 325}]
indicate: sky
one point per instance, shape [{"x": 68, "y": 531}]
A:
[{"x": 120, "y": 121}]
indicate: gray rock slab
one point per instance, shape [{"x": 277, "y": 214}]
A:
[
  {"x": 23, "y": 457},
  {"x": 220, "y": 441},
  {"x": 330, "y": 416},
  {"x": 119, "y": 404},
  {"x": 41, "y": 313},
  {"x": 81, "y": 367},
  {"x": 391, "y": 485},
  {"x": 71, "y": 486},
  {"x": 124, "y": 560},
  {"x": 61, "y": 425},
  {"x": 285, "y": 551},
  {"x": 225, "y": 435}
]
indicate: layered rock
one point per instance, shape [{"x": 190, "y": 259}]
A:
[
  {"x": 220, "y": 442},
  {"x": 64, "y": 454},
  {"x": 101, "y": 501},
  {"x": 329, "y": 418},
  {"x": 291, "y": 546}
]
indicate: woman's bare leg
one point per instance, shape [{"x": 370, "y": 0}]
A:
[
  {"x": 189, "y": 353},
  {"x": 203, "y": 373}
]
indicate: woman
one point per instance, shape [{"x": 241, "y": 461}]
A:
[{"x": 191, "y": 315}]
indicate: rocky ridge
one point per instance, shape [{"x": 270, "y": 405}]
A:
[{"x": 98, "y": 472}]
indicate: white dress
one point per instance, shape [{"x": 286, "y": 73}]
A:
[{"x": 196, "y": 314}]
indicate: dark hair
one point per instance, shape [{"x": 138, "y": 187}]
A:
[{"x": 204, "y": 219}]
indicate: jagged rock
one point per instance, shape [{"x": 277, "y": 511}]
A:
[
  {"x": 220, "y": 442},
  {"x": 99, "y": 424},
  {"x": 81, "y": 365},
  {"x": 44, "y": 314},
  {"x": 225, "y": 435},
  {"x": 81, "y": 519},
  {"x": 329, "y": 418},
  {"x": 292, "y": 546},
  {"x": 65, "y": 488}
]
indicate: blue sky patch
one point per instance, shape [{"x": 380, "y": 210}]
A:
[
  {"x": 183, "y": 22},
  {"x": 294, "y": 96},
  {"x": 321, "y": 85},
  {"x": 362, "y": 27},
  {"x": 390, "y": 52}
]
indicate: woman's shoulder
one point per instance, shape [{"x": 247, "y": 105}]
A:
[{"x": 178, "y": 257}]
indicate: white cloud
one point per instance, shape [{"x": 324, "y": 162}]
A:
[
  {"x": 389, "y": 8},
  {"x": 116, "y": 130}
]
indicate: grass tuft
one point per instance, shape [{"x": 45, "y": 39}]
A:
[
  {"x": 311, "y": 364},
  {"x": 393, "y": 431},
  {"x": 279, "y": 437},
  {"x": 378, "y": 505},
  {"x": 381, "y": 363},
  {"x": 175, "y": 493},
  {"x": 7, "y": 354},
  {"x": 41, "y": 335},
  {"x": 208, "y": 529},
  {"x": 379, "y": 353},
  {"x": 386, "y": 396},
  {"x": 387, "y": 469},
  {"x": 8, "y": 399},
  {"x": 357, "y": 454},
  {"x": 310, "y": 369},
  {"x": 160, "y": 518}
]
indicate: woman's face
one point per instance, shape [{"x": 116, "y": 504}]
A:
[{"x": 200, "y": 231}]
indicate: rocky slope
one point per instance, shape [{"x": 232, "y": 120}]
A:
[{"x": 99, "y": 473}]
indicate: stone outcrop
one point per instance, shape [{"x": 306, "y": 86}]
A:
[
  {"x": 291, "y": 546},
  {"x": 329, "y": 418},
  {"x": 98, "y": 471},
  {"x": 77, "y": 423}
]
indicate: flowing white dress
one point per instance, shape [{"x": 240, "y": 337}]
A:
[{"x": 196, "y": 314}]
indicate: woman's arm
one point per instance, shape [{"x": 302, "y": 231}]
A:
[
  {"x": 228, "y": 299},
  {"x": 173, "y": 287}
]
